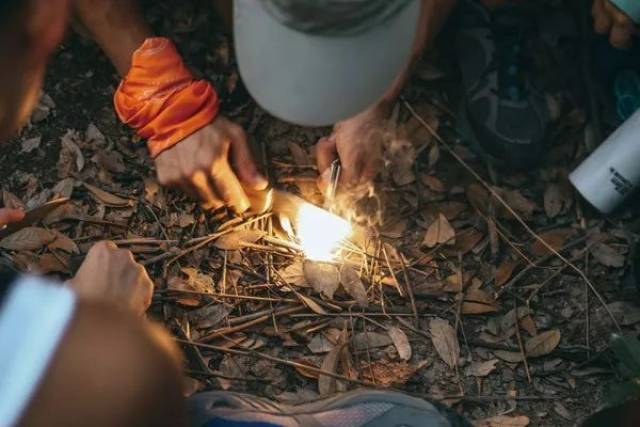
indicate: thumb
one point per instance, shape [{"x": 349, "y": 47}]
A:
[
  {"x": 326, "y": 153},
  {"x": 243, "y": 163},
  {"x": 7, "y": 216}
]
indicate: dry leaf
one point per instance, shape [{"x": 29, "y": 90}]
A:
[
  {"x": 354, "y": 286},
  {"x": 365, "y": 340},
  {"x": 49, "y": 263},
  {"x": 542, "y": 344},
  {"x": 10, "y": 200},
  {"x": 309, "y": 302},
  {"x": 478, "y": 197},
  {"x": 293, "y": 274},
  {"x": 307, "y": 373},
  {"x": 555, "y": 238},
  {"x": 467, "y": 239},
  {"x": 324, "y": 277},
  {"x": 557, "y": 199},
  {"x": 388, "y": 374},
  {"x": 64, "y": 188},
  {"x": 481, "y": 368},
  {"x": 504, "y": 271},
  {"x": 445, "y": 341},
  {"x": 110, "y": 160},
  {"x": 28, "y": 239},
  {"x": 107, "y": 198},
  {"x": 401, "y": 342},
  {"x": 64, "y": 243},
  {"x": 509, "y": 356},
  {"x": 71, "y": 157},
  {"x": 503, "y": 421},
  {"x": 236, "y": 240},
  {"x": 208, "y": 316},
  {"x": 320, "y": 344},
  {"x": 519, "y": 203},
  {"x": 433, "y": 183},
  {"x": 30, "y": 144},
  {"x": 326, "y": 384},
  {"x": 607, "y": 255},
  {"x": 477, "y": 301},
  {"x": 439, "y": 232}
]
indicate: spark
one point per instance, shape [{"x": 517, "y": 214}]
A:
[{"x": 320, "y": 232}]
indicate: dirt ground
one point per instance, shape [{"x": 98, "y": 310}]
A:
[{"x": 444, "y": 272}]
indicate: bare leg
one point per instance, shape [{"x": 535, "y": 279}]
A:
[
  {"x": 116, "y": 25},
  {"x": 356, "y": 140},
  {"x": 111, "y": 369}
]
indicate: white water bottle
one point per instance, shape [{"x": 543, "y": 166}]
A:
[{"x": 612, "y": 172}]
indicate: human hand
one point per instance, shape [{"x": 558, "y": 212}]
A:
[
  {"x": 111, "y": 274},
  {"x": 608, "y": 19},
  {"x": 214, "y": 165},
  {"x": 8, "y": 216},
  {"x": 357, "y": 142}
]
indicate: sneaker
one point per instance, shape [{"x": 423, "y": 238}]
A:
[
  {"x": 501, "y": 111},
  {"x": 359, "y": 408}
]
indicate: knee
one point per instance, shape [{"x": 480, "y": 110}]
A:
[{"x": 110, "y": 369}]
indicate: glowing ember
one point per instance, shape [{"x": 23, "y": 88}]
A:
[{"x": 320, "y": 232}]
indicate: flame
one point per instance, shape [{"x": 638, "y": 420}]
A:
[{"x": 320, "y": 232}]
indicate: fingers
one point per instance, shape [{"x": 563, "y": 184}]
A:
[
  {"x": 7, "y": 216},
  {"x": 206, "y": 194},
  {"x": 326, "y": 153},
  {"x": 601, "y": 20},
  {"x": 622, "y": 29},
  {"x": 229, "y": 188},
  {"x": 243, "y": 163}
]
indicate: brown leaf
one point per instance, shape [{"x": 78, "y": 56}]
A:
[
  {"x": 478, "y": 197},
  {"x": 504, "y": 271},
  {"x": 10, "y": 200},
  {"x": 445, "y": 341},
  {"x": 607, "y": 255},
  {"x": 293, "y": 274},
  {"x": 519, "y": 203},
  {"x": 503, "y": 421},
  {"x": 555, "y": 238},
  {"x": 71, "y": 158},
  {"x": 308, "y": 373},
  {"x": 107, "y": 198},
  {"x": 477, "y": 301},
  {"x": 509, "y": 356},
  {"x": 351, "y": 282},
  {"x": 450, "y": 209},
  {"x": 365, "y": 340},
  {"x": 49, "y": 263},
  {"x": 309, "y": 302},
  {"x": 467, "y": 240},
  {"x": 326, "y": 384},
  {"x": 542, "y": 344},
  {"x": 324, "y": 277},
  {"x": 30, "y": 144},
  {"x": 401, "y": 342},
  {"x": 236, "y": 240},
  {"x": 556, "y": 199},
  {"x": 439, "y": 232},
  {"x": 433, "y": 183},
  {"x": 299, "y": 154},
  {"x": 481, "y": 368},
  {"x": 64, "y": 243},
  {"x": 208, "y": 316},
  {"x": 28, "y": 239},
  {"x": 388, "y": 374}
]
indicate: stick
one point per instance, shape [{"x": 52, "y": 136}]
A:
[{"x": 520, "y": 344}]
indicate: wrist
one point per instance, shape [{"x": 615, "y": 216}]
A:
[{"x": 160, "y": 98}]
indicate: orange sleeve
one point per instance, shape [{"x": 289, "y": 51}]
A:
[{"x": 160, "y": 99}]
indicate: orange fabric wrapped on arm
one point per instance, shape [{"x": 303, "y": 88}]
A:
[{"x": 160, "y": 99}]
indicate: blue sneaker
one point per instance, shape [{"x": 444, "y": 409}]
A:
[
  {"x": 359, "y": 408},
  {"x": 502, "y": 113}
]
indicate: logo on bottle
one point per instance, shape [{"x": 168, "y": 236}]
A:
[{"x": 621, "y": 184}]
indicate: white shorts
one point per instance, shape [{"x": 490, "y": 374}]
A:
[{"x": 34, "y": 315}]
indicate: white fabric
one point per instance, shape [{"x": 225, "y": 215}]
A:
[{"x": 33, "y": 319}]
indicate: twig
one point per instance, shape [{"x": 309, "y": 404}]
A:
[
  {"x": 523, "y": 351},
  {"x": 393, "y": 274},
  {"x": 409, "y": 287},
  {"x": 518, "y": 218}
]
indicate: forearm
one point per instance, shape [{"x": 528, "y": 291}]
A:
[{"x": 116, "y": 25}]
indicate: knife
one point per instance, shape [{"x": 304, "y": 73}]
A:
[{"x": 32, "y": 216}]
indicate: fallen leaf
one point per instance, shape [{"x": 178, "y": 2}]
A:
[
  {"x": 293, "y": 274},
  {"x": 320, "y": 344},
  {"x": 309, "y": 302},
  {"x": 10, "y": 200},
  {"x": 365, "y": 340},
  {"x": 626, "y": 313},
  {"x": 308, "y": 373},
  {"x": 433, "y": 183},
  {"x": 208, "y": 316},
  {"x": 64, "y": 188},
  {"x": 481, "y": 368},
  {"x": 445, "y": 341},
  {"x": 353, "y": 285},
  {"x": 555, "y": 238},
  {"x": 387, "y": 374},
  {"x": 44, "y": 107},
  {"x": 64, "y": 243},
  {"x": 30, "y": 144},
  {"x": 478, "y": 197},
  {"x": 477, "y": 301},
  {"x": 467, "y": 239},
  {"x": 450, "y": 209},
  {"x": 542, "y": 344},
  {"x": 528, "y": 324},
  {"x": 556, "y": 199},
  {"x": 185, "y": 220},
  {"x": 49, "y": 263},
  {"x": 107, "y": 198},
  {"x": 324, "y": 277},
  {"x": 93, "y": 134},
  {"x": 110, "y": 160},
  {"x": 28, "y": 239},
  {"x": 327, "y": 384},
  {"x": 401, "y": 342},
  {"x": 434, "y": 155},
  {"x": 504, "y": 271},
  {"x": 439, "y": 232},
  {"x": 71, "y": 157},
  {"x": 607, "y": 255},
  {"x": 503, "y": 421},
  {"x": 236, "y": 240},
  {"x": 519, "y": 203}
]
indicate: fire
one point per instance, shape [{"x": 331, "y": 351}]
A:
[{"x": 320, "y": 232}]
